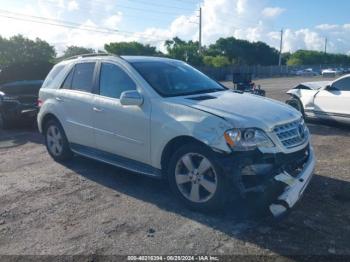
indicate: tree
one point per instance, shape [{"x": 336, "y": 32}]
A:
[
  {"x": 216, "y": 61},
  {"x": 185, "y": 51},
  {"x": 306, "y": 57},
  {"x": 19, "y": 49},
  {"x": 76, "y": 50},
  {"x": 131, "y": 48},
  {"x": 244, "y": 52}
]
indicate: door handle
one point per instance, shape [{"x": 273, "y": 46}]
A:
[
  {"x": 59, "y": 99},
  {"x": 98, "y": 110}
]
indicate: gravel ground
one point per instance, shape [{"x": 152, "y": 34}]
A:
[{"x": 85, "y": 207}]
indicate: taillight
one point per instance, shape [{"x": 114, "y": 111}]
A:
[{"x": 39, "y": 102}]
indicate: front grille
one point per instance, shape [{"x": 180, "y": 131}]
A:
[{"x": 292, "y": 134}]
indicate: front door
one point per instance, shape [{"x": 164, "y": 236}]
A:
[
  {"x": 335, "y": 101},
  {"x": 121, "y": 130}
]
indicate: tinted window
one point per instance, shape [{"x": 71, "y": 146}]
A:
[
  {"x": 52, "y": 76},
  {"x": 114, "y": 81},
  {"x": 83, "y": 77},
  {"x": 176, "y": 78},
  {"x": 67, "y": 84},
  {"x": 343, "y": 84}
]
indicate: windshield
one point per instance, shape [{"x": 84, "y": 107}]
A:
[{"x": 175, "y": 78}]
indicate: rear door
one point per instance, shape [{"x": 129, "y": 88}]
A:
[
  {"x": 334, "y": 102},
  {"x": 76, "y": 99},
  {"x": 120, "y": 130}
]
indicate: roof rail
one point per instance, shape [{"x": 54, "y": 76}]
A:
[{"x": 90, "y": 55}]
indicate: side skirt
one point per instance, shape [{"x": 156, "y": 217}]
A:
[{"x": 116, "y": 160}]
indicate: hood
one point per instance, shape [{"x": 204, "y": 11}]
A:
[
  {"x": 316, "y": 85},
  {"x": 243, "y": 110}
]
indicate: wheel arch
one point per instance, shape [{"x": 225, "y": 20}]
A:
[
  {"x": 173, "y": 145},
  {"x": 47, "y": 117}
]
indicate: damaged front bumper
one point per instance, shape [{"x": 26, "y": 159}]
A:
[
  {"x": 276, "y": 181},
  {"x": 295, "y": 186}
]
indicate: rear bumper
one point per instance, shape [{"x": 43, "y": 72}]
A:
[{"x": 295, "y": 187}]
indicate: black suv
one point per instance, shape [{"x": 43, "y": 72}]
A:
[{"x": 19, "y": 89}]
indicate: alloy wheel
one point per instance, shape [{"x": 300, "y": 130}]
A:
[
  {"x": 54, "y": 140},
  {"x": 196, "y": 178}
]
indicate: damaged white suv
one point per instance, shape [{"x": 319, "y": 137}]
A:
[{"x": 163, "y": 118}]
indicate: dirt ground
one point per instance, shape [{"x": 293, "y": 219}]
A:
[{"x": 85, "y": 207}]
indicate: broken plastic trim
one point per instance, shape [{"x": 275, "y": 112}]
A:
[{"x": 295, "y": 187}]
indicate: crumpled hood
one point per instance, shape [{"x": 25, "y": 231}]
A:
[
  {"x": 317, "y": 85},
  {"x": 243, "y": 110}
]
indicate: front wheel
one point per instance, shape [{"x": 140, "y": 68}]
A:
[
  {"x": 197, "y": 179},
  {"x": 56, "y": 141},
  {"x": 296, "y": 103}
]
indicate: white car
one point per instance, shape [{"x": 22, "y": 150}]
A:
[
  {"x": 163, "y": 118},
  {"x": 328, "y": 100},
  {"x": 330, "y": 72}
]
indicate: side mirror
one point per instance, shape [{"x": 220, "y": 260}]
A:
[{"x": 131, "y": 98}]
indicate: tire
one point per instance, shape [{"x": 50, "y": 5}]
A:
[
  {"x": 56, "y": 141},
  {"x": 296, "y": 103},
  {"x": 200, "y": 191}
]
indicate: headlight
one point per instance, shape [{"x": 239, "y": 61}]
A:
[{"x": 247, "y": 139}]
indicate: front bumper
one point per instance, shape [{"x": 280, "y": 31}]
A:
[
  {"x": 295, "y": 187},
  {"x": 277, "y": 188}
]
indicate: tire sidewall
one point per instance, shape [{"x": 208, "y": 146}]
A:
[
  {"x": 66, "y": 152},
  {"x": 218, "y": 199}
]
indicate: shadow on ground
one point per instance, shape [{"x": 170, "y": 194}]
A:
[
  {"x": 318, "y": 225},
  {"x": 19, "y": 136}
]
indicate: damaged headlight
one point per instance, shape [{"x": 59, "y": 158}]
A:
[{"x": 247, "y": 139}]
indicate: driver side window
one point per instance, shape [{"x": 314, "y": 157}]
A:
[
  {"x": 342, "y": 84},
  {"x": 114, "y": 81}
]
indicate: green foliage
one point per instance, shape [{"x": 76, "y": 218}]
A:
[
  {"x": 216, "y": 61},
  {"x": 244, "y": 52},
  {"x": 76, "y": 50},
  {"x": 306, "y": 57},
  {"x": 184, "y": 50},
  {"x": 18, "y": 49},
  {"x": 131, "y": 48}
]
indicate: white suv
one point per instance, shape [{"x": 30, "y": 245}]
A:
[{"x": 163, "y": 118}]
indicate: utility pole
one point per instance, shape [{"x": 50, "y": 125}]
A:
[
  {"x": 325, "y": 45},
  {"x": 200, "y": 30},
  {"x": 281, "y": 46}
]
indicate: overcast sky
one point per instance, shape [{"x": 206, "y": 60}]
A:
[{"x": 306, "y": 23}]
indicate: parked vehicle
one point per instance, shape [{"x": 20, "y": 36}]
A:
[
  {"x": 18, "y": 102},
  {"x": 324, "y": 100},
  {"x": 330, "y": 72},
  {"x": 243, "y": 82},
  {"x": 161, "y": 117},
  {"x": 19, "y": 89},
  {"x": 306, "y": 72}
]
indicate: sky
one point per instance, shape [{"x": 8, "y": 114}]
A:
[{"x": 92, "y": 23}]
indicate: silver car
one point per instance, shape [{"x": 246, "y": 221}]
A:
[{"x": 162, "y": 118}]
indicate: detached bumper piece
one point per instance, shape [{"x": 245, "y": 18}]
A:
[{"x": 295, "y": 187}]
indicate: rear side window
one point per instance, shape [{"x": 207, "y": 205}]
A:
[
  {"x": 83, "y": 77},
  {"x": 114, "y": 81},
  {"x": 52, "y": 77},
  {"x": 67, "y": 84}
]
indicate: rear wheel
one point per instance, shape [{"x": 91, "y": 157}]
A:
[
  {"x": 296, "y": 103},
  {"x": 56, "y": 141},
  {"x": 197, "y": 179}
]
